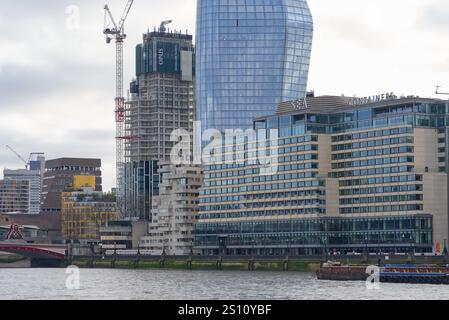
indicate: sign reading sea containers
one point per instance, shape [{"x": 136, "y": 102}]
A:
[{"x": 168, "y": 59}]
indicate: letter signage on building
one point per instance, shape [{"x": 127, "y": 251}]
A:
[
  {"x": 299, "y": 104},
  {"x": 373, "y": 99},
  {"x": 168, "y": 59}
]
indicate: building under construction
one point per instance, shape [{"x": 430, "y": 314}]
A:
[{"x": 161, "y": 101}]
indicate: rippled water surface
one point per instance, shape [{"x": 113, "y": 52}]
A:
[{"x": 201, "y": 285}]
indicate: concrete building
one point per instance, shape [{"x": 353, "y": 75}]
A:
[
  {"x": 175, "y": 210},
  {"x": 123, "y": 234},
  {"x": 59, "y": 175},
  {"x": 84, "y": 211},
  {"x": 350, "y": 175},
  {"x": 34, "y": 182},
  {"x": 251, "y": 55},
  {"x": 47, "y": 224},
  {"x": 14, "y": 196},
  {"x": 162, "y": 101},
  {"x": 30, "y": 233}
]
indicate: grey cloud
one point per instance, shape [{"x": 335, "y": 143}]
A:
[
  {"x": 435, "y": 16},
  {"x": 349, "y": 29},
  {"x": 21, "y": 84}
]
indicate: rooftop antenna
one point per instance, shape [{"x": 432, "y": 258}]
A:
[{"x": 442, "y": 93}]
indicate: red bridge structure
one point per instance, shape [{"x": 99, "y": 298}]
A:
[{"x": 41, "y": 255}]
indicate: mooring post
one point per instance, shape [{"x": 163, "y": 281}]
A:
[
  {"x": 220, "y": 263},
  {"x": 189, "y": 262},
  {"x": 286, "y": 264},
  {"x": 252, "y": 264},
  {"x": 162, "y": 262},
  {"x": 137, "y": 261}
]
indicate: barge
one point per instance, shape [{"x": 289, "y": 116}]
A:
[{"x": 388, "y": 274}]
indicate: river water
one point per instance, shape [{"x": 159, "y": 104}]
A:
[{"x": 197, "y": 285}]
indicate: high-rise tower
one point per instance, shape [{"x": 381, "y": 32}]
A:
[
  {"x": 162, "y": 100},
  {"x": 251, "y": 55}
]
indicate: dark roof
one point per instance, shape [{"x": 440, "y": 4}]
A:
[
  {"x": 167, "y": 35},
  {"x": 336, "y": 104},
  {"x": 323, "y": 104},
  {"x": 84, "y": 162}
]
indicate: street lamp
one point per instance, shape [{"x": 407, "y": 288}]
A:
[
  {"x": 325, "y": 247},
  {"x": 412, "y": 242},
  {"x": 403, "y": 238},
  {"x": 164, "y": 253},
  {"x": 253, "y": 242},
  {"x": 366, "y": 246}
]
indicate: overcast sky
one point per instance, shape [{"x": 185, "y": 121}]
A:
[{"x": 57, "y": 80}]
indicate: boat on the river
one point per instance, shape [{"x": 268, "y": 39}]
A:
[{"x": 429, "y": 274}]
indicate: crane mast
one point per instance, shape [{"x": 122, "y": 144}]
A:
[{"x": 117, "y": 33}]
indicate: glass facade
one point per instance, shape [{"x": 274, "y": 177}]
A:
[
  {"x": 383, "y": 182},
  {"x": 141, "y": 186},
  {"x": 251, "y": 55},
  {"x": 311, "y": 236},
  {"x": 412, "y": 112}
]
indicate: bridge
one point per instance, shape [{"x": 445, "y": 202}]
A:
[{"x": 41, "y": 255}]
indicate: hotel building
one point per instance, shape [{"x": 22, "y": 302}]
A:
[{"x": 350, "y": 175}]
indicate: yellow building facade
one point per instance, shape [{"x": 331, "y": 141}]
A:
[
  {"x": 80, "y": 182},
  {"x": 84, "y": 212}
]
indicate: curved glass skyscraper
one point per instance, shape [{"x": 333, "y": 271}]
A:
[{"x": 251, "y": 55}]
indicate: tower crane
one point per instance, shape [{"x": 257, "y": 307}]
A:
[
  {"x": 19, "y": 156},
  {"x": 163, "y": 24},
  {"x": 27, "y": 162},
  {"x": 117, "y": 32}
]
